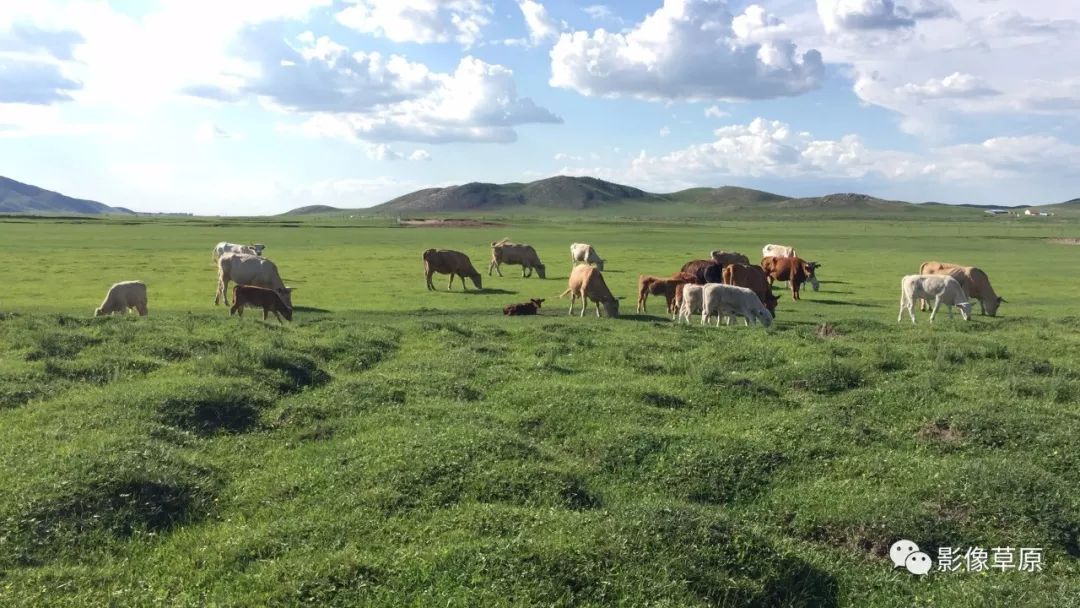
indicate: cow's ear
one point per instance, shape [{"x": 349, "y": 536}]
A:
[
  {"x": 779, "y": 296},
  {"x": 1000, "y": 299},
  {"x": 289, "y": 289}
]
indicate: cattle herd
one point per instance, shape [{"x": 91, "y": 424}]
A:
[{"x": 725, "y": 285}]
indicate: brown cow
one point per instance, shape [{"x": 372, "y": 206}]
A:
[
  {"x": 588, "y": 283},
  {"x": 754, "y": 279},
  {"x": 729, "y": 257},
  {"x": 446, "y": 261},
  {"x": 795, "y": 271},
  {"x": 698, "y": 268},
  {"x": 531, "y": 307},
  {"x": 505, "y": 252},
  {"x": 657, "y": 286},
  {"x": 972, "y": 279},
  {"x": 270, "y": 301}
]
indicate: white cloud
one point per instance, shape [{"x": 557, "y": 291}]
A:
[
  {"x": 421, "y": 21},
  {"x": 420, "y": 155},
  {"x": 715, "y": 112},
  {"x": 856, "y": 15},
  {"x": 665, "y": 131},
  {"x": 541, "y": 27},
  {"x": 382, "y": 152},
  {"x": 567, "y": 156},
  {"x": 955, "y": 85},
  {"x": 685, "y": 50},
  {"x": 601, "y": 12}
]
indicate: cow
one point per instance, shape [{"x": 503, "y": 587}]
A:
[
  {"x": 659, "y": 286},
  {"x": 729, "y": 257},
  {"x": 505, "y": 252},
  {"x": 795, "y": 271},
  {"x": 588, "y": 283},
  {"x": 972, "y": 279},
  {"x": 122, "y": 297},
  {"x": 531, "y": 307},
  {"x": 777, "y": 251},
  {"x": 754, "y": 279},
  {"x": 222, "y": 248},
  {"x": 246, "y": 269},
  {"x": 699, "y": 268},
  {"x": 942, "y": 288},
  {"x": 730, "y": 301},
  {"x": 245, "y": 296},
  {"x": 447, "y": 261},
  {"x": 584, "y": 252},
  {"x": 690, "y": 301}
]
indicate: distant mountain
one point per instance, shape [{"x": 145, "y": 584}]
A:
[
  {"x": 17, "y": 197},
  {"x": 727, "y": 196},
  {"x": 313, "y": 210}
]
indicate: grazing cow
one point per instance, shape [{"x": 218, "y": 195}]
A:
[
  {"x": 447, "y": 261},
  {"x": 531, "y": 307},
  {"x": 698, "y": 268},
  {"x": 972, "y": 279},
  {"x": 691, "y": 301},
  {"x": 222, "y": 248},
  {"x": 245, "y": 269},
  {"x": 795, "y": 271},
  {"x": 943, "y": 289},
  {"x": 583, "y": 252},
  {"x": 505, "y": 252},
  {"x": 729, "y": 257},
  {"x": 777, "y": 251},
  {"x": 754, "y": 279},
  {"x": 588, "y": 283},
  {"x": 730, "y": 301},
  {"x": 659, "y": 286},
  {"x": 250, "y": 296},
  {"x": 122, "y": 297}
]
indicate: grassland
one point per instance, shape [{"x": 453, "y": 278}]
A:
[{"x": 399, "y": 447}]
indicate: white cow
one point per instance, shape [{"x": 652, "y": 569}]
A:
[
  {"x": 777, "y": 251},
  {"x": 941, "y": 288},
  {"x": 691, "y": 302},
  {"x": 122, "y": 297},
  {"x": 584, "y": 252},
  {"x": 245, "y": 269},
  {"x": 731, "y": 301},
  {"x": 222, "y": 248}
]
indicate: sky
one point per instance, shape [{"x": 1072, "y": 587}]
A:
[{"x": 258, "y": 106}]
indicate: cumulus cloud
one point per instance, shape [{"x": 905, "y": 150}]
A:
[
  {"x": 848, "y": 15},
  {"x": 665, "y": 131},
  {"x": 34, "y": 82},
  {"x": 687, "y": 50},
  {"x": 540, "y": 25},
  {"x": 420, "y": 21},
  {"x": 28, "y": 38},
  {"x": 420, "y": 155},
  {"x": 955, "y": 85},
  {"x": 715, "y": 112}
]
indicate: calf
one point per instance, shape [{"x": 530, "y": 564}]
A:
[
  {"x": 691, "y": 301},
  {"x": 943, "y": 289},
  {"x": 122, "y": 297},
  {"x": 656, "y": 286},
  {"x": 754, "y": 279},
  {"x": 531, "y": 307},
  {"x": 270, "y": 301},
  {"x": 731, "y": 301}
]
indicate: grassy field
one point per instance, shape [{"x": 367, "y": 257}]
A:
[{"x": 395, "y": 446}]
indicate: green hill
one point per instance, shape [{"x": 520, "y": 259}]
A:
[{"x": 17, "y": 197}]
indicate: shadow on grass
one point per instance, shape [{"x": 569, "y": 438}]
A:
[
  {"x": 309, "y": 309},
  {"x": 842, "y": 303}
]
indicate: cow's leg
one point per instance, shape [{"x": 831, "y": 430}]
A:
[
  {"x": 461, "y": 279},
  {"x": 142, "y": 310},
  {"x": 235, "y": 308},
  {"x": 911, "y": 310},
  {"x": 221, "y": 284},
  {"x": 923, "y": 305},
  {"x": 278, "y": 317},
  {"x": 982, "y": 309},
  {"x": 900, "y": 315},
  {"x": 450, "y": 285},
  {"x": 573, "y": 298},
  {"x": 427, "y": 278},
  {"x": 266, "y": 313},
  {"x": 937, "y": 304}
]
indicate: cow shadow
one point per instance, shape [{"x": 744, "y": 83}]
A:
[
  {"x": 309, "y": 309},
  {"x": 842, "y": 303},
  {"x": 643, "y": 317}
]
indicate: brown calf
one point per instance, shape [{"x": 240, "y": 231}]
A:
[
  {"x": 531, "y": 307},
  {"x": 669, "y": 288},
  {"x": 795, "y": 271},
  {"x": 258, "y": 297}
]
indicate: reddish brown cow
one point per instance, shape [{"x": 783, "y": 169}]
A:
[
  {"x": 259, "y": 297},
  {"x": 659, "y": 286},
  {"x": 795, "y": 271},
  {"x": 754, "y": 279},
  {"x": 698, "y": 268},
  {"x": 531, "y": 307}
]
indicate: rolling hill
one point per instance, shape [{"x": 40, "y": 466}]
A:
[{"x": 17, "y": 197}]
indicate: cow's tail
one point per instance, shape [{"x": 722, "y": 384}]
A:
[{"x": 563, "y": 294}]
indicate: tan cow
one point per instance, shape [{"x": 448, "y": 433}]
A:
[
  {"x": 245, "y": 269},
  {"x": 447, "y": 261},
  {"x": 975, "y": 283},
  {"x": 588, "y": 283},
  {"x": 122, "y": 297},
  {"x": 505, "y": 252}
]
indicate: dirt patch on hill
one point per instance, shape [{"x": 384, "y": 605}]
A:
[
  {"x": 1065, "y": 241},
  {"x": 447, "y": 223}
]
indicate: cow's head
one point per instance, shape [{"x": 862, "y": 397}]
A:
[
  {"x": 770, "y": 303},
  {"x": 537, "y": 302},
  {"x": 764, "y": 316},
  {"x": 611, "y": 307},
  {"x": 258, "y": 247},
  {"x": 476, "y": 281},
  {"x": 991, "y": 306},
  {"x": 98, "y": 312},
  {"x": 965, "y": 310},
  {"x": 285, "y": 293},
  {"x": 810, "y": 268},
  {"x": 599, "y": 264},
  {"x": 541, "y": 270}
]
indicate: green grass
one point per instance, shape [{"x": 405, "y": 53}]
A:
[{"x": 395, "y": 446}]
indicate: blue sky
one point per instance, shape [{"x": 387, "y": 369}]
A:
[{"x": 259, "y": 106}]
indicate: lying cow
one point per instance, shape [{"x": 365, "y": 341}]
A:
[
  {"x": 588, "y": 283},
  {"x": 777, "y": 251},
  {"x": 531, "y": 307},
  {"x": 943, "y": 289},
  {"x": 505, "y": 252},
  {"x": 754, "y": 279},
  {"x": 250, "y": 296},
  {"x": 222, "y": 248},
  {"x": 690, "y": 304},
  {"x": 729, "y": 257},
  {"x": 975, "y": 283},
  {"x": 122, "y": 297},
  {"x": 245, "y": 269},
  {"x": 447, "y": 261},
  {"x": 795, "y": 271},
  {"x": 730, "y": 301},
  {"x": 584, "y": 253},
  {"x": 658, "y": 286}
]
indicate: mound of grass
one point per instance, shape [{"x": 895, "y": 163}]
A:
[{"x": 211, "y": 405}]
